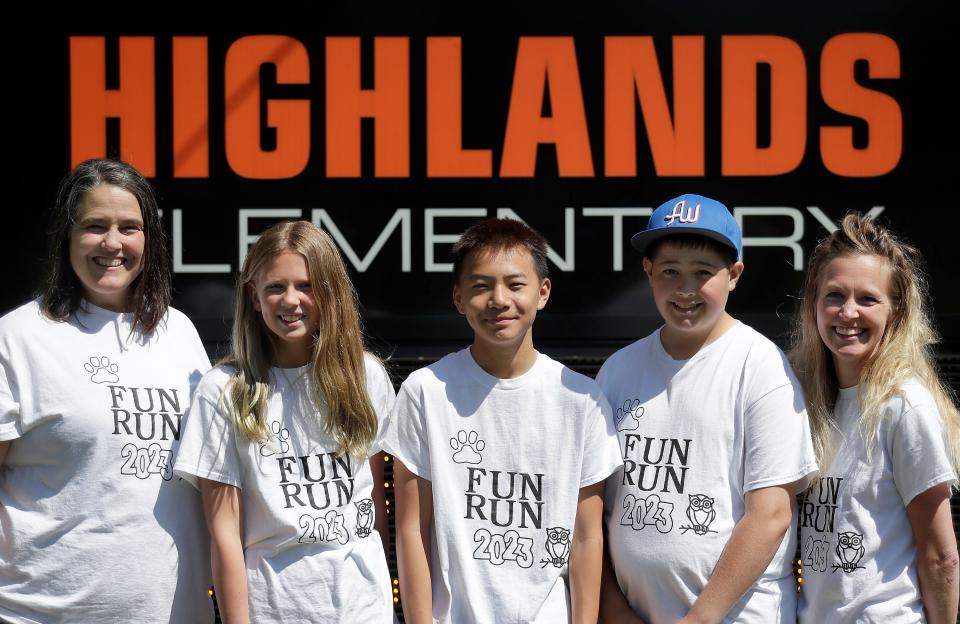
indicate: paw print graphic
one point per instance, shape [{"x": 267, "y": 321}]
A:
[
  {"x": 101, "y": 370},
  {"x": 280, "y": 439},
  {"x": 628, "y": 416},
  {"x": 467, "y": 447}
]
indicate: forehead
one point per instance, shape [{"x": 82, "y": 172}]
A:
[
  {"x": 859, "y": 271},
  {"x": 672, "y": 252},
  {"x": 288, "y": 265},
  {"x": 106, "y": 200},
  {"x": 499, "y": 262}
]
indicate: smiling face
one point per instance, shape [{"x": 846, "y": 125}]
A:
[
  {"x": 500, "y": 293},
  {"x": 690, "y": 288},
  {"x": 853, "y": 306},
  {"x": 107, "y": 246},
  {"x": 284, "y": 298}
]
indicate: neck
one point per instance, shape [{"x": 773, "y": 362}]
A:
[
  {"x": 848, "y": 374},
  {"x": 681, "y": 345},
  {"x": 506, "y": 361},
  {"x": 287, "y": 356}
]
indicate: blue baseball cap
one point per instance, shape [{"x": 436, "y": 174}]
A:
[{"x": 691, "y": 214}]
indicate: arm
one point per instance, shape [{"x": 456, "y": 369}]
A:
[
  {"x": 937, "y": 561},
  {"x": 414, "y": 526},
  {"x": 753, "y": 543},
  {"x": 221, "y": 508},
  {"x": 4, "y": 447},
  {"x": 586, "y": 554},
  {"x": 614, "y": 607},
  {"x": 380, "y": 501}
]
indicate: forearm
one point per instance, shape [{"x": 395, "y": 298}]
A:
[
  {"x": 380, "y": 520},
  {"x": 586, "y": 562},
  {"x": 413, "y": 566},
  {"x": 752, "y": 545},
  {"x": 230, "y": 579},
  {"x": 414, "y": 525},
  {"x": 937, "y": 561},
  {"x": 614, "y": 607},
  {"x": 939, "y": 588}
]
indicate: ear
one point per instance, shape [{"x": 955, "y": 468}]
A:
[
  {"x": 648, "y": 267},
  {"x": 545, "y": 287},
  {"x": 735, "y": 272},
  {"x": 457, "y": 303},
  {"x": 252, "y": 293}
]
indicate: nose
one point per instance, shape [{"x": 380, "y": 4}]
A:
[
  {"x": 498, "y": 296},
  {"x": 688, "y": 286},
  {"x": 112, "y": 239},
  {"x": 290, "y": 296},
  {"x": 849, "y": 309}
]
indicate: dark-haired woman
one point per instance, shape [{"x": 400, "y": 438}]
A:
[{"x": 95, "y": 377}]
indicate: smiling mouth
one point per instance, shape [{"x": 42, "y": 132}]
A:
[
  {"x": 686, "y": 307},
  {"x": 292, "y": 318},
  {"x": 847, "y": 332},
  {"x": 109, "y": 263}
]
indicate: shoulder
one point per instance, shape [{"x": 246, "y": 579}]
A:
[
  {"x": 28, "y": 315},
  {"x": 375, "y": 370},
  {"x": 437, "y": 374},
  {"x": 629, "y": 354},
  {"x": 175, "y": 321},
  {"x": 566, "y": 378},
  {"x": 911, "y": 396},
  {"x": 215, "y": 381}
]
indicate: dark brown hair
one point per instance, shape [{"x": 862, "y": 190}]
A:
[
  {"x": 692, "y": 241},
  {"x": 495, "y": 235}
]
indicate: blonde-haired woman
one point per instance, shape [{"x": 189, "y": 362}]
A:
[
  {"x": 876, "y": 535},
  {"x": 280, "y": 444}
]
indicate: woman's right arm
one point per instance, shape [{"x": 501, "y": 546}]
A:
[
  {"x": 221, "y": 508},
  {"x": 414, "y": 525}
]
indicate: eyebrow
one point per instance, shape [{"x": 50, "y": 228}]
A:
[
  {"x": 697, "y": 262},
  {"x": 481, "y": 276}
]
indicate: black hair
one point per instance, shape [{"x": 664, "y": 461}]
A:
[{"x": 493, "y": 234}]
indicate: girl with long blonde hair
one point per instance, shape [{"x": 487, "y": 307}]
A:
[
  {"x": 282, "y": 441},
  {"x": 877, "y": 540}
]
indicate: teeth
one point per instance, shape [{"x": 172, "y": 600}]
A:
[
  {"x": 848, "y": 331},
  {"x": 686, "y": 306},
  {"x": 290, "y": 318},
  {"x": 108, "y": 262}
]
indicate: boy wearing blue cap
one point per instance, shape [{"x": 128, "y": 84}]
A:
[{"x": 714, "y": 437}]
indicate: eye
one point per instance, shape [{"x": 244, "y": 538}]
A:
[
  {"x": 517, "y": 285},
  {"x": 131, "y": 229},
  {"x": 833, "y": 297},
  {"x": 669, "y": 272},
  {"x": 94, "y": 228}
]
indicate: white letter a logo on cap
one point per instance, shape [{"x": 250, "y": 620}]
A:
[{"x": 683, "y": 214}]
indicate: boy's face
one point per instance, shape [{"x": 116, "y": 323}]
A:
[
  {"x": 690, "y": 286},
  {"x": 500, "y": 293}
]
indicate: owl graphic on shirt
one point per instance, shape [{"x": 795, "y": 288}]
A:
[
  {"x": 849, "y": 551},
  {"x": 557, "y": 546},
  {"x": 700, "y": 513},
  {"x": 365, "y": 514}
]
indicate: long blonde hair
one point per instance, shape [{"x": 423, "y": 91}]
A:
[
  {"x": 337, "y": 379},
  {"x": 905, "y": 350}
]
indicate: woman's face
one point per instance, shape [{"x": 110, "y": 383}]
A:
[
  {"x": 284, "y": 298},
  {"x": 106, "y": 246},
  {"x": 854, "y": 305}
]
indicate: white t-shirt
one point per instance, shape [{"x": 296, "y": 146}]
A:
[
  {"x": 311, "y": 550},
  {"x": 507, "y": 459},
  {"x": 696, "y": 436},
  {"x": 856, "y": 541},
  {"x": 94, "y": 526}
]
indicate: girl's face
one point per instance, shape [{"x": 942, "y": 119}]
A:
[
  {"x": 107, "y": 246},
  {"x": 283, "y": 297},
  {"x": 853, "y": 308}
]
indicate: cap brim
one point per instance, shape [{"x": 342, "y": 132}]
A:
[{"x": 642, "y": 240}]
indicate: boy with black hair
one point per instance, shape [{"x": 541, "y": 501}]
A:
[
  {"x": 501, "y": 456},
  {"x": 714, "y": 437}
]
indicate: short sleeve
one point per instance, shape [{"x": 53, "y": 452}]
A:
[
  {"x": 208, "y": 446},
  {"x": 918, "y": 451},
  {"x": 382, "y": 397},
  {"x": 601, "y": 449},
  {"x": 405, "y": 434},
  {"x": 777, "y": 446},
  {"x": 9, "y": 403}
]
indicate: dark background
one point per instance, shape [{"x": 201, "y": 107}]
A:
[{"x": 593, "y": 309}]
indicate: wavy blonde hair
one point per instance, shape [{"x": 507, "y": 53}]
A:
[
  {"x": 905, "y": 350},
  {"x": 337, "y": 379}
]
